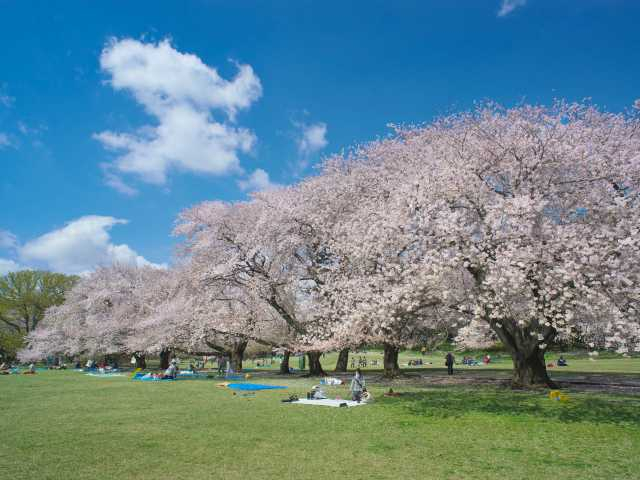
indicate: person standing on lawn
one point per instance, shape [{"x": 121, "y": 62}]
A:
[
  {"x": 449, "y": 361},
  {"x": 357, "y": 386}
]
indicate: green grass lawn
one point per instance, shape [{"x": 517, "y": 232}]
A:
[{"x": 66, "y": 425}]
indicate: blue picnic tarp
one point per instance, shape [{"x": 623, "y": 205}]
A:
[{"x": 254, "y": 386}]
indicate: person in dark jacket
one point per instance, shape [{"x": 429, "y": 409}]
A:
[{"x": 449, "y": 360}]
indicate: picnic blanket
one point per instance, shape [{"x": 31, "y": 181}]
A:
[
  {"x": 106, "y": 374},
  {"x": 329, "y": 402},
  {"x": 254, "y": 386},
  {"x": 331, "y": 381},
  {"x": 145, "y": 377}
]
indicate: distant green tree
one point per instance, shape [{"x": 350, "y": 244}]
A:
[
  {"x": 26, "y": 295},
  {"x": 10, "y": 343}
]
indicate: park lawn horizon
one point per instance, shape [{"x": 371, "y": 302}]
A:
[
  {"x": 578, "y": 362},
  {"x": 64, "y": 424}
]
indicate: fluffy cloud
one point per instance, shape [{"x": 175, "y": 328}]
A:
[
  {"x": 509, "y": 6},
  {"x": 258, "y": 181},
  {"x": 310, "y": 139},
  {"x": 313, "y": 138},
  {"x": 180, "y": 92},
  {"x": 7, "y": 266},
  {"x": 8, "y": 239},
  {"x": 80, "y": 246}
]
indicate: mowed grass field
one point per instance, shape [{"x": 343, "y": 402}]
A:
[{"x": 67, "y": 425}]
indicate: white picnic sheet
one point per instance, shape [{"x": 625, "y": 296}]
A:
[{"x": 329, "y": 402}]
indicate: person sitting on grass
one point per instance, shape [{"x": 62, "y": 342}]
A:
[
  {"x": 171, "y": 371},
  {"x": 366, "y": 396},
  {"x": 31, "y": 370},
  {"x": 357, "y": 386},
  {"x": 316, "y": 393},
  {"x": 562, "y": 362}
]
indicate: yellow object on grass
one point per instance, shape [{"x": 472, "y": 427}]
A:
[
  {"x": 133, "y": 374},
  {"x": 558, "y": 395},
  {"x": 554, "y": 394}
]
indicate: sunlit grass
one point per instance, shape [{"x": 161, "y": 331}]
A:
[{"x": 65, "y": 425}]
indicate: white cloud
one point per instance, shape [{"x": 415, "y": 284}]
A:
[
  {"x": 115, "y": 181},
  {"x": 7, "y": 266},
  {"x": 27, "y": 130},
  {"x": 258, "y": 181},
  {"x": 180, "y": 92},
  {"x": 8, "y": 240},
  {"x": 80, "y": 246},
  {"x": 509, "y": 6},
  {"x": 313, "y": 138}
]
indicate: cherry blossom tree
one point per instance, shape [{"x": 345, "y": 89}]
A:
[
  {"x": 529, "y": 213},
  {"x": 255, "y": 250},
  {"x": 100, "y": 314},
  {"x": 518, "y": 224},
  {"x": 379, "y": 286}
]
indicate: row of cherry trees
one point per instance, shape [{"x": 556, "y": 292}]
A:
[{"x": 512, "y": 224}]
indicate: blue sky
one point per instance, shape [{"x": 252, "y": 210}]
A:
[{"x": 115, "y": 116}]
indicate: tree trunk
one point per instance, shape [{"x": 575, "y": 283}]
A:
[
  {"x": 284, "y": 366},
  {"x": 315, "y": 368},
  {"x": 391, "y": 367},
  {"x": 237, "y": 355},
  {"x": 140, "y": 361},
  {"x": 529, "y": 369},
  {"x": 165, "y": 356},
  {"x": 343, "y": 360}
]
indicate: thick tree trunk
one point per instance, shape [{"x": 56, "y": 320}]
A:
[
  {"x": 529, "y": 369},
  {"x": 284, "y": 366},
  {"x": 237, "y": 355},
  {"x": 315, "y": 368},
  {"x": 140, "y": 361},
  {"x": 343, "y": 360},
  {"x": 165, "y": 357},
  {"x": 391, "y": 367}
]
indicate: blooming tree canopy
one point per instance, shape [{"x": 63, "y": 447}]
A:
[{"x": 516, "y": 224}]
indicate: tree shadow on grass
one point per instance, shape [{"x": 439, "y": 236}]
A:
[{"x": 446, "y": 403}]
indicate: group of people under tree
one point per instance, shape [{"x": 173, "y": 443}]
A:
[{"x": 515, "y": 225}]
